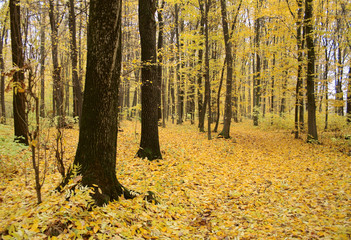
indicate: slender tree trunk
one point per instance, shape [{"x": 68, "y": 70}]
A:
[
  {"x": 19, "y": 102},
  {"x": 312, "y": 125},
  {"x": 207, "y": 70},
  {"x": 348, "y": 103},
  {"x": 2, "y": 78},
  {"x": 149, "y": 144},
  {"x": 58, "y": 85},
  {"x": 219, "y": 96},
  {"x": 228, "y": 55},
  {"x": 339, "y": 95},
  {"x": 162, "y": 112},
  {"x": 299, "y": 67},
  {"x": 201, "y": 100},
  {"x": 77, "y": 91},
  {"x": 326, "y": 70},
  {"x": 257, "y": 71},
  {"x": 180, "y": 90},
  {"x": 42, "y": 62},
  {"x": 284, "y": 90}
]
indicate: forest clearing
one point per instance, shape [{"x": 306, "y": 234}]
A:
[{"x": 261, "y": 184}]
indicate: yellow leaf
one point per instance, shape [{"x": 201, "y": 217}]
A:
[
  {"x": 96, "y": 228},
  {"x": 34, "y": 227},
  {"x": 34, "y": 143}
]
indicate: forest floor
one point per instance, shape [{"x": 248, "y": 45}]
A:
[{"x": 258, "y": 185}]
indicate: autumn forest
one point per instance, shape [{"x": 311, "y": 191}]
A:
[{"x": 175, "y": 119}]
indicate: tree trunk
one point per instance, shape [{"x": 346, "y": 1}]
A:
[
  {"x": 312, "y": 125},
  {"x": 2, "y": 78},
  {"x": 228, "y": 55},
  {"x": 96, "y": 152},
  {"x": 19, "y": 98},
  {"x": 257, "y": 70},
  {"x": 77, "y": 91},
  {"x": 326, "y": 70},
  {"x": 201, "y": 100},
  {"x": 207, "y": 70},
  {"x": 284, "y": 90},
  {"x": 339, "y": 95},
  {"x": 159, "y": 66},
  {"x": 42, "y": 62},
  {"x": 58, "y": 86},
  {"x": 219, "y": 96},
  {"x": 180, "y": 90},
  {"x": 149, "y": 144},
  {"x": 299, "y": 68},
  {"x": 348, "y": 101}
]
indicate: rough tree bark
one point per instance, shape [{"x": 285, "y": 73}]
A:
[
  {"x": 149, "y": 143},
  {"x": 96, "y": 152},
  {"x": 19, "y": 104}
]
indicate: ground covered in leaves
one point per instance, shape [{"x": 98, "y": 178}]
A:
[{"x": 257, "y": 185}]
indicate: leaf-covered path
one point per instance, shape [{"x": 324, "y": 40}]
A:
[{"x": 258, "y": 185}]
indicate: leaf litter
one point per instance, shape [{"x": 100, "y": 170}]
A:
[{"x": 257, "y": 185}]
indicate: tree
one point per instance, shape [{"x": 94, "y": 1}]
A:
[
  {"x": 58, "y": 86},
  {"x": 299, "y": 95},
  {"x": 311, "y": 104},
  {"x": 207, "y": 69},
  {"x": 77, "y": 92},
  {"x": 19, "y": 104},
  {"x": 96, "y": 152},
  {"x": 257, "y": 67},
  {"x": 201, "y": 103},
  {"x": 2, "y": 68},
  {"x": 229, "y": 58},
  {"x": 42, "y": 60},
  {"x": 160, "y": 59},
  {"x": 149, "y": 143}
]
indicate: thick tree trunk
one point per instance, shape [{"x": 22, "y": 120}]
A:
[
  {"x": 96, "y": 152},
  {"x": 77, "y": 91},
  {"x": 19, "y": 101},
  {"x": 312, "y": 125},
  {"x": 149, "y": 143}
]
